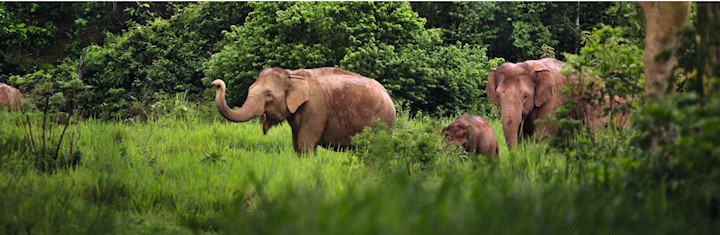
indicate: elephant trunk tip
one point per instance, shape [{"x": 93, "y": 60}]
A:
[{"x": 218, "y": 83}]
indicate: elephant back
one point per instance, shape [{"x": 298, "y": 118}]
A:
[
  {"x": 551, "y": 64},
  {"x": 10, "y": 97}
]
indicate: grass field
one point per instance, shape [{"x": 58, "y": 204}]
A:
[{"x": 188, "y": 175}]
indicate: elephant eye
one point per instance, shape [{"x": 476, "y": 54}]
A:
[{"x": 268, "y": 94}]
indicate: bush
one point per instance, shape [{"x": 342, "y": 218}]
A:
[
  {"x": 445, "y": 80},
  {"x": 680, "y": 149},
  {"x": 411, "y": 145},
  {"x": 164, "y": 57},
  {"x": 385, "y": 41},
  {"x": 52, "y": 97},
  {"x": 608, "y": 65}
]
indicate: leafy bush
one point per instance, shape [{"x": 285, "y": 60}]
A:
[
  {"x": 680, "y": 149},
  {"x": 608, "y": 65},
  {"x": 385, "y": 41},
  {"x": 409, "y": 146},
  {"x": 41, "y": 33},
  {"x": 444, "y": 79},
  {"x": 610, "y": 56},
  {"x": 53, "y": 92},
  {"x": 15, "y": 33},
  {"x": 130, "y": 71}
]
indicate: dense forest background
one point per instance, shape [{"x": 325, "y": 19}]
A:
[{"x": 140, "y": 53}]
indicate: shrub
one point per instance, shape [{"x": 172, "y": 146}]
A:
[
  {"x": 53, "y": 92},
  {"x": 164, "y": 57},
  {"x": 680, "y": 153},
  {"x": 385, "y": 41},
  {"x": 411, "y": 145},
  {"x": 608, "y": 65},
  {"x": 444, "y": 79}
]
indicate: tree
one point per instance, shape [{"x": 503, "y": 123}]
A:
[
  {"x": 34, "y": 34},
  {"x": 385, "y": 41},
  {"x": 665, "y": 22},
  {"x": 516, "y": 31},
  {"x": 132, "y": 71}
]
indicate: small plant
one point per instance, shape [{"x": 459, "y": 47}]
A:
[
  {"x": 52, "y": 92},
  {"x": 212, "y": 158},
  {"x": 410, "y": 145}
]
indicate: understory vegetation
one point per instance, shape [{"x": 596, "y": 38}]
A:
[{"x": 189, "y": 174}]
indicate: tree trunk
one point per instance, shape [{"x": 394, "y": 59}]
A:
[
  {"x": 708, "y": 48},
  {"x": 665, "y": 22}
]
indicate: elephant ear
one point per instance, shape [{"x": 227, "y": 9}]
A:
[
  {"x": 545, "y": 86},
  {"x": 471, "y": 136},
  {"x": 297, "y": 94},
  {"x": 490, "y": 88}
]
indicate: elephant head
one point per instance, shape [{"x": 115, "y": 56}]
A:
[
  {"x": 274, "y": 96},
  {"x": 473, "y": 133},
  {"x": 524, "y": 92},
  {"x": 457, "y": 132}
]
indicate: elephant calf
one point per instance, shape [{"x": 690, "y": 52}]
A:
[
  {"x": 474, "y": 134},
  {"x": 10, "y": 97}
]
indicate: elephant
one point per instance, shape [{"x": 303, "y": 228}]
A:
[
  {"x": 10, "y": 97},
  {"x": 474, "y": 134},
  {"x": 585, "y": 91},
  {"x": 324, "y": 106},
  {"x": 526, "y": 93}
]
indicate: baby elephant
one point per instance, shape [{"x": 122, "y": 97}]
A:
[{"x": 474, "y": 133}]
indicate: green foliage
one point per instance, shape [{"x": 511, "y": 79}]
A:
[
  {"x": 629, "y": 16},
  {"x": 679, "y": 139},
  {"x": 609, "y": 55},
  {"x": 444, "y": 79},
  {"x": 307, "y": 35},
  {"x": 385, "y": 149},
  {"x": 165, "y": 57},
  {"x": 180, "y": 176},
  {"x": 516, "y": 31},
  {"x": 608, "y": 65},
  {"x": 16, "y": 33},
  {"x": 384, "y": 41},
  {"x": 35, "y": 34},
  {"x": 511, "y": 30},
  {"x": 529, "y": 34},
  {"x": 53, "y": 91},
  {"x": 33, "y": 209}
]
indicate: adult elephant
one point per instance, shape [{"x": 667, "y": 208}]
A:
[
  {"x": 324, "y": 106},
  {"x": 592, "y": 107},
  {"x": 10, "y": 97},
  {"x": 526, "y": 92}
]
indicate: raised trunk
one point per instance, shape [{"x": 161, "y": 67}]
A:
[
  {"x": 511, "y": 120},
  {"x": 249, "y": 110}
]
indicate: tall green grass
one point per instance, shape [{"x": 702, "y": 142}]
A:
[{"x": 181, "y": 175}]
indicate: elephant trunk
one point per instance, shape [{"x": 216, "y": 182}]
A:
[
  {"x": 249, "y": 110},
  {"x": 511, "y": 120}
]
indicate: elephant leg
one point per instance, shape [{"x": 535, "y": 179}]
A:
[
  {"x": 305, "y": 140},
  {"x": 528, "y": 127}
]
